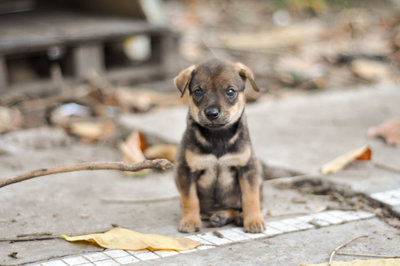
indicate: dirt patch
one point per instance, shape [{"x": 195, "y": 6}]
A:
[{"x": 346, "y": 198}]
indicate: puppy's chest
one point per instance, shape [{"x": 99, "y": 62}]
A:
[{"x": 216, "y": 171}]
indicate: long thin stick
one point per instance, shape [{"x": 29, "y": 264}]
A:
[
  {"x": 367, "y": 255},
  {"x": 342, "y": 246},
  {"x": 27, "y": 239},
  {"x": 387, "y": 167},
  {"x": 120, "y": 166}
]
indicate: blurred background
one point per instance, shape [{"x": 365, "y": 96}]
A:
[{"x": 63, "y": 61}]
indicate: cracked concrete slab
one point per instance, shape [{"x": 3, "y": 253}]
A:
[{"x": 299, "y": 133}]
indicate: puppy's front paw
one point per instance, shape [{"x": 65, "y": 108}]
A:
[
  {"x": 189, "y": 224},
  {"x": 254, "y": 224}
]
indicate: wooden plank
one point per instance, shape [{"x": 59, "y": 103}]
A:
[
  {"x": 169, "y": 54},
  {"x": 88, "y": 57},
  {"x": 128, "y": 75},
  {"x": 3, "y": 74},
  {"x": 32, "y": 31},
  {"x": 122, "y": 76}
]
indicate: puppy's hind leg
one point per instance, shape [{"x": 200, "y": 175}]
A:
[{"x": 221, "y": 218}]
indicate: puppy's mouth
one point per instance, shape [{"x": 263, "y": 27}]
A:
[{"x": 215, "y": 125}]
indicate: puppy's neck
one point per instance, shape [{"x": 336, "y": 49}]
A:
[
  {"x": 218, "y": 141},
  {"x": 216, "y": 134}
]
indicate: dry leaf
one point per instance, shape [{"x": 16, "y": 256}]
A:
[
  {"x": 132, "y": 151},
  {"x": 389, "y": 130},
  {"x": 370, "y": 70},
  {"x": 142, "y": 100},
  {"x": 10, "y": 119},
  {"x": 277, "y": 38},
  {"x": 162, "y": 151},
  {"x": 120, "y": 238},
  {"x": 393, "y": 222},
  {"x": 386, "y": 262},
  {"x": 133, "y": 100},
  {"x": 92, "y": 131},
  {"x": 363, "y": 153}
]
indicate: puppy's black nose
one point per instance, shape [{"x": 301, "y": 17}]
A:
[{"x": 212, "y": 113}]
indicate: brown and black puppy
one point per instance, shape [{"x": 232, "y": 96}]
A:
[{"x": 216, "y": 171}]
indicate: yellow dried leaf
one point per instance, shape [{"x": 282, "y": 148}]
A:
[
  {"x": 161, "y": 151},
  {"x": 363, "y": 153},
  {"x": 91, "y": 130},
  {"x": 125, "y": 239},
  {"x": 384, "y": 262},
  {"x": 132, "y": 151}
]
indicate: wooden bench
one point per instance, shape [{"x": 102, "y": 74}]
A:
[{"x": 84, "y": 35}]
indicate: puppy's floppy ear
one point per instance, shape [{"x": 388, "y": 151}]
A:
[
  {"x": 183, "y": 79},
  {"x": 246, "y": 73}
]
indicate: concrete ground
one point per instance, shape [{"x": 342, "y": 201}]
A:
[{"x": 299, "y": 133}]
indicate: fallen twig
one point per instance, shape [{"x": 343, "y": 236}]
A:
[
  {"x": 342, "y": 246},
  {"x": 387, "y": 167},
  {"x": 42, "y": 236},
  {"x": 367, "y": 255},
  {"x": 218, "y": 234},
  {"x": 26, "y": 239},
  {"x": 120, "y": 166},
  {"x": 47, "y": 234}
]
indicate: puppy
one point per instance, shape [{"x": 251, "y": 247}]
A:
[{"x": 216, "y": 171}]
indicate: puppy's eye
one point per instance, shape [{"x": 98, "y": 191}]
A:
[
  {"x": 230, "y": 92},
  {"x": 198, "y": 92}
]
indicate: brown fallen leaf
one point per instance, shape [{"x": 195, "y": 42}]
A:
[
  {"x": 142, "y": 100},
  {"x": 133, "y": 100},
  {"x": 363, "y": 153},
  {"x": 386, "y": 262},
  {"x": 91, "y": 131},
  {"x": 389, "y": 130},
  {"x": 125, "y": 239},
  {"x": 370, "y": 70},
  {"x": 132, "y": 150},
  {"x": 13, "y": 255},
  {"x": 393, "y": 222},
  {"x": 161, "y": 151},
  {"x": 276, "y": 38},
  {"x": 10, "y": 119},
  {"x": 298, "y": 201}
]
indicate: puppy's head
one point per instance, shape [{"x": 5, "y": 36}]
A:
[{"x": 216, "y": 89}]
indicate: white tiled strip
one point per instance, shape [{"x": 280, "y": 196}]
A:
[
  {"x": 210, "y": 240},
  {"x": 389, "y": 197}
]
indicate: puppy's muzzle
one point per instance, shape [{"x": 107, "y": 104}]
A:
[{"x": 212, "y": 113}]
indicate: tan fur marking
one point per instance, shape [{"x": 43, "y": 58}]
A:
[
  {"x": 225, "y": 178},
  {"x": 252, "y": 218},
  {"x": 209, "y": 163},
  {"x": 198, "y": 162},
  {"x": 200, "y": 138},
  {"x": 234, "y": 138},
  {"x": 191, "y": 210},
  {"x": 207, "y": 179},
  {"x": 194, "y": 110},
  {"x": 190, "y": 202},
  {"x": 237, "y": 109},
  {"x": 236, "y": 159}
]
